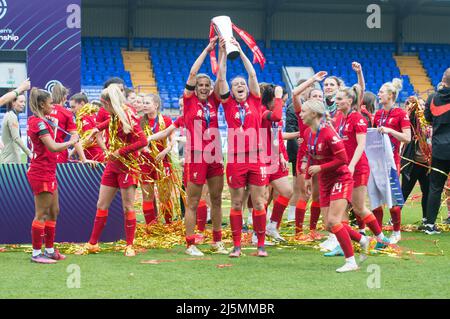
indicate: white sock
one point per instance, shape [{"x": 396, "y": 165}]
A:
[
  {"x": 396, "y": 233},
  {"x": 36, "y": 252},
  {"x": 50, "y": 250},
  {"x": 380, "y": 236},
  {"x": 292, "y": 210},
  {"x": 272, "y": 224},
  {"x": 364, "y": 240},
  {"x": 208, "y": 215},
  {"x": 350, "y": 260}
]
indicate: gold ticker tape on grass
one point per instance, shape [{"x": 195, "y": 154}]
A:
[{"x": 167, "y": 236}]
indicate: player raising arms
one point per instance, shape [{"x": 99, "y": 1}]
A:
[
  {"x": 242, "y": 108},
  {"x": 327, "y": 158},
  {"x": 203, "y": 154},
  {"x": 42, "y": 176},
  {"x": 315, "y": 94},
  {"x": 393, "y": 121},
  {"x": 126, "y": 138}
]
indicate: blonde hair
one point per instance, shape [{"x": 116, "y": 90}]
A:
[
  {"x": 59, "y": 93},
  {"x": 315, "y": 106},
  {"x": 394, "y": 87},
  {"x": 113, "y": 94},
  {"x": 37, "y": 97},
  {"x": 319, "y": 108},
  {"x": 355, "y": 93}
]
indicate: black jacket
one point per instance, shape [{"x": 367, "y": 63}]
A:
[
  {"x": 291, "y": 126},
  {"x": 409, "y": 151},
  {"x": 437, "y": 112}
]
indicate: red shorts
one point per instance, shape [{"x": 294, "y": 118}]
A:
[
  {"x": 198, "y": 173},
  {"x": 42, "y": 187},
  {"x": 149, "y": 173},
  {"x": 114, "y": 177},
  {"x": 279, "y": 173},
  {"x": 360, "y": 179},
  {"x": 241, "y": 174},
  {"x": 334, "y": 189}
]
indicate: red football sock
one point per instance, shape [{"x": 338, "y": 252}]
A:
[
  {"x": 354, "y": 235},
  {"x": 315, "y": 214},
  {"x": 217, "y": 235},
  {"x": 37, "y": 234},
  {"x": 396, "y": 215},
  {"x": 361, "y": 223},
  {"x": 372, "y": 222},
  {"x": 259, "y": 225},
  {"x": 99, "y": 224},
  {"x": 202, "y": 213},
  {"x": 236, "y": 226},
  {"x": 49, "y": 230},
  {"x": 378, "y": 212},
  {"x": 168, "y": 214},
  {"x": 344, "y": 239},
  {"x": 130, "y": 227},
  {"x": 149, "y": 212},
  {"x": 279, "y": 206},
  {"x": 300, "y": 210},
  {"x": 190, "y": 240}
]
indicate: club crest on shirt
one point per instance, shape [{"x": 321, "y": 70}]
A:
[
  {"x": 195, "y": 175},
  {"x": 199, "y": 113},
  {"x": 236, "y": 116},
  {"x": 335, "y": 140},
  {"x": 319, "y": 147},
  {"x": 41, "y": 126}
]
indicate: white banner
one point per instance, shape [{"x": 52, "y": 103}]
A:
[{"x": 384, "y": 184}]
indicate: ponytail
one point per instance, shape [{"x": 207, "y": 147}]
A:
[
  {"x": 113, "y": 94},
  {"x": 37, "y": 97},
  {"x": 59, "y": 94},
  {"x": 394, "y": 87}
]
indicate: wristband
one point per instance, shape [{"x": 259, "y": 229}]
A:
[
  {"x": 225, "y": 96},
  {"x": 17, "y": 94},
  {"x": 190, "y": 87}
]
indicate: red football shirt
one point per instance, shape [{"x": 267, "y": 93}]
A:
[
  {"x": 244, "y": 123},
  {"x": 102, "y": 116},
  {"x": 196, "y": 122},
  {"x": 179, "y": 122},
  {"x": 63, "y": 119},
  {"x": 348, "y": 127},
  {"x": 323, "y": 148},
  {"x": 43, "y": 162},
  {"x": 154, "y": 125},
  {"x": 132, "y": 141},
  {"x": 95, "y": 151},
  {"x": 396, "y": 119},
  {"x": 302, "y": 127},
  {"x": 274, "y": 137}
]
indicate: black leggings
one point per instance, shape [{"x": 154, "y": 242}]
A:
[
  {"x": 418, "y": 173},
  {"x": 437, "y": 183}
]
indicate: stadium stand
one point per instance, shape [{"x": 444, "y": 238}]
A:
[{"x": 172, "y": 58}]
